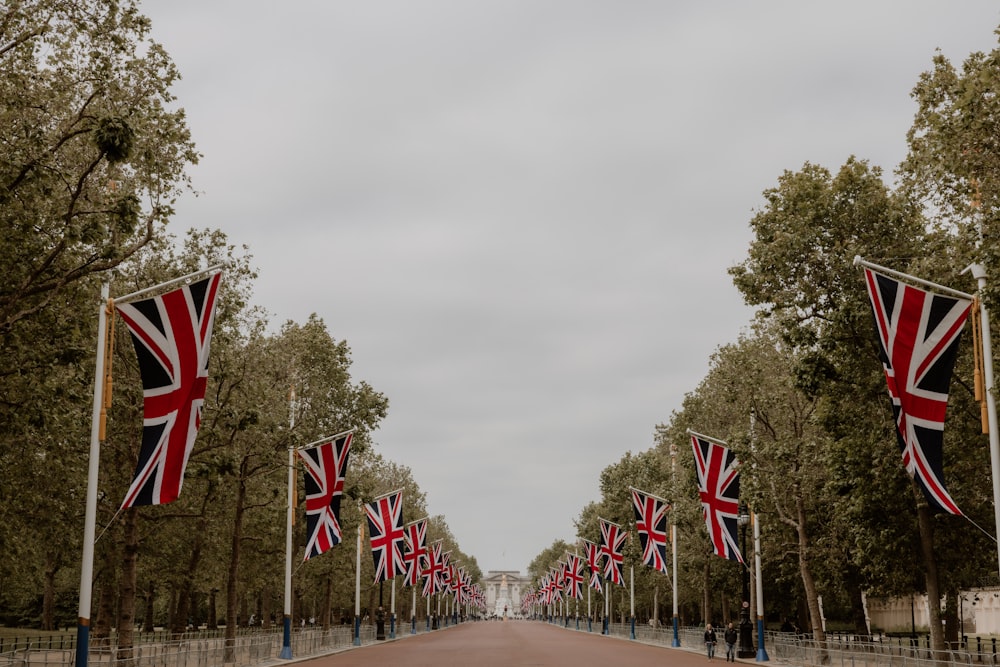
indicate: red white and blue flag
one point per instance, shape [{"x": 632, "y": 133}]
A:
[
  {"x": 326, "y": 468},
  {"x": 612, "y": 541},
  {"x": 385, "y": 526},
  {"x": 651, "y": 524},
  {"x": 172, "y": 334},
  {"x": 415, "y": 554},
  {"x": 432, "y": 573},
  {"x": 918, "y": 335},
  {"x": 574, "y": 576},
  {"x": 719, "y": 488},
  {"x": 593, "y": 553}
]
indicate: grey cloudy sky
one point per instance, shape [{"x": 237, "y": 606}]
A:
[{"x": 519, "y": 214}]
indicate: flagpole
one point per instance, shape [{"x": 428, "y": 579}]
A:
[
  {"x": 979, "y": 273},
  {"x": 708, "y": 438},
  {"x": 631, "y": 599},
  {"x": 588, "y": 607},
  {"x": 413, "y": 612},
  {"x": 913, "y": 279},
  {"x": 189, "y": 278},
  {"x": 357, "y": 585},
  {"x": 392, "y": 610},
  {"x": 761, "y": 652},
  {"x": 673, "y": 547},
  {"x": 607, "y": 594},
  {"x": 676, "y": 620},
  {"x": 286, "y": 621},
  {"x": 90, "y": 515}
]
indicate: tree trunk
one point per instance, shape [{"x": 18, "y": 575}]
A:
[
  {"x": 105, "y": 605},
  {"x": 149, "y": 624},
  {"x": 924, "y": 520},
  {"x": 127, "y": 585},
  {"x": 185, "y": 615},
  {"x": 951, "y": 622},
  {"x": 858, "y": 619},
  {"x": 49, "y": 594},
  {"x": 706, "y": 595},
  {"x": 264, "y": 605},
  {"x": 324, "y": 612},
  {"x": 232, "y": 580},
  {"x": 808, "y": 583}
]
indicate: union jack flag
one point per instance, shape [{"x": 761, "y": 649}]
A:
[
  {"x": 446, "y": 572},
  {"x": 612, "y": 540},
  {"x": 556, "y": 582},
  {"x": 171, "y": 334},
  {"x": 454, "y": 580},
  {"x": 432, "y": 575},
  {"x": 574, "y": 576},
  {"x": 593, "y": 553},
  {"x": 464, "y": 586},
  {"x": 326, "y": 465},
  {"x": 416, "y": 551},
  {"x": 651, "y": 524},
  {"x": 385, "y": 525},
  {"x": 918, "y": 335},
  {"x": 719, "y": 488}
]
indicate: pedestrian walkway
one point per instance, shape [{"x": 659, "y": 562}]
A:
[{"x": 512, "y": 643}]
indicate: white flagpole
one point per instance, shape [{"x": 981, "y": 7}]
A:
[
  {"x": 631, "y": 599},
  {"x": 676, "y": 619},
  {"x": 286, "y": 622},
  {"x": 979, "y": 273},
  {"x": 392, "y": 610},
  {"x": 673, "y": 547},
  {"x": 607, "y": 606},
  {"x": 183, "y": 280},
  {"x": 90, "y": 515},
  {"x": 413, "y": 611},
  {"x": 357, "y": 586},
  {"x": 761, "y": 652},
  {"x": 588, "y": 606}
]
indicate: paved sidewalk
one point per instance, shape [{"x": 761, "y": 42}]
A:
[{"x": 512, "y": 643}]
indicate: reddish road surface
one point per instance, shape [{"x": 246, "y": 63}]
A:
[{"x": 512, "y": 644}]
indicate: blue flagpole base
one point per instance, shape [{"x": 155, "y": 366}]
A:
[
  {"x": 82, "y": 644},
  {"x": 286, "y": 639},
  {"x": 577, "y": 622},
  {"x": 357, "y": 631},
  {"x": 631, "y": 633},
  {"x": 589, "y": 628},
  {"x": 413, "y": 625},
  {"x": 761, "y": 652},
  {"x": 604, "y": 626},
  {"x": 392, "y": 626},
  {"x": 677, "y": 639}
]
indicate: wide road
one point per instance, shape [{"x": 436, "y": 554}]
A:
[{"x": 512, "y": 644}]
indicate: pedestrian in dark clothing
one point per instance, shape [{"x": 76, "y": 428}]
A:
[
  {"x": 710, "y": 640},
  {"x": 731, "y": 635}
]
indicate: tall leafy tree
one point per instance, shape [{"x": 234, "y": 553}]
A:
[
  {"x": 93, "y": 154},
  {"x": 799, "y": 270}
]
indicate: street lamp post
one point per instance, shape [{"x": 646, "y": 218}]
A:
[{"x": 746, "y": 649}]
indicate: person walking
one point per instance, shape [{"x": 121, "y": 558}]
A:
[
  {"x": 710, "y": 640},
  {"x": 731, "y": 635}
]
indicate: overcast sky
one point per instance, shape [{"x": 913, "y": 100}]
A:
[{"x": 520, "y": 215}]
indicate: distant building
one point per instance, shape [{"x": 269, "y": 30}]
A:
[{"x": 503, "y": 588}]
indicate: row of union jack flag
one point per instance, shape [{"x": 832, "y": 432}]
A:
[{"x": 918, "y": 335}]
